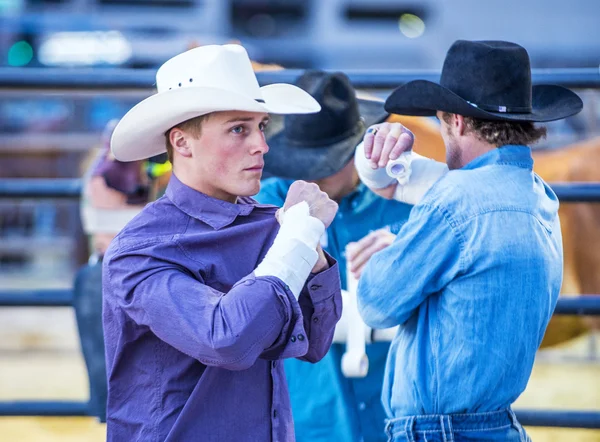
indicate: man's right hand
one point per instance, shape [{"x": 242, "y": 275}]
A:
[{"x": 319, "y": 203}]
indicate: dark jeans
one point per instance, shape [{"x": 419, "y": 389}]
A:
[{"x": 88, "y": 312}]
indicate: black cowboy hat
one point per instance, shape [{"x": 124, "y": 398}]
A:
[
  {"x": 489, "y": 80},
  {"x": 315, "y": 146}
]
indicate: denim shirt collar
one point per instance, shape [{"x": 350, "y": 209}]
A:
[
  {"x": 214, "y": 212},
  {"x": 511, "y": 154}
]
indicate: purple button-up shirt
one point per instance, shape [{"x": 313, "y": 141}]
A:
[{"x": 193, "y": 338}]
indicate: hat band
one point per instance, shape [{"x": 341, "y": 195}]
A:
[
  {"x": 360, "y": 125},
  {"x": 503, "y": 109}
]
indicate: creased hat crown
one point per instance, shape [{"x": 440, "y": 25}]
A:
[{"x": 220, "y": 67}]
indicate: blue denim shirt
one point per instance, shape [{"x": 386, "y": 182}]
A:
[
  {"x": 327, "y": 406},
  {"x": 471, "y": 280}
]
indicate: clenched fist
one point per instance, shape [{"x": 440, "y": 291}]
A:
[{"x": 319, "y": 204}]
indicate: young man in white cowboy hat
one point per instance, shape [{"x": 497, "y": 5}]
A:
[
  {"x": 206, "y": 290},
  {"x": 474, "y": 275}
]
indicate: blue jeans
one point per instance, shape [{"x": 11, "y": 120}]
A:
[
  {"x": 477, "y": 427},
  {"x": 88, "y": 311}
]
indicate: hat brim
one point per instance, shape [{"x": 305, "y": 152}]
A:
[
  {"x": 140, "y": 134},
  {"x": 424, "y": 98},
  {"x": 291, "y": 160}
]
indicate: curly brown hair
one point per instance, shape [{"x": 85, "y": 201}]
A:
[
  {"x": 501, "y": 133},
  {"x": 193, "y": 125}
]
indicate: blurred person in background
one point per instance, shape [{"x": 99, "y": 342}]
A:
[
  {"x": 320, "y": 148},
  {"x": 113, "y": 193},
  {"x": 474, "y": 275},
  {"x": 205, "y": 291}
]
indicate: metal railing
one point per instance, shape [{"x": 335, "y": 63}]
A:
[
  {"x": 119, "y": 79},
  {"x": 71, "y": 188}
]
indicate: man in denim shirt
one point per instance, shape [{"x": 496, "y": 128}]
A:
[{"x": 474, "y": 275}]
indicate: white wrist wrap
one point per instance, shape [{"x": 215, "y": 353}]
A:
[
  {"x": 372, "y": 178},
  {"x": 414, "y": 173},
  {"x": 400, "y": 168},
  {"x": 293, "y": 253},
  {"x": 424, "y": 172}
]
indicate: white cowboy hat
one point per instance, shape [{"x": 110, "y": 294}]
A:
[{"x": 200, "y": 81}]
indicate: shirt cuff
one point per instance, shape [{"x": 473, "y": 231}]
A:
[{"x": 323, "y": 285}]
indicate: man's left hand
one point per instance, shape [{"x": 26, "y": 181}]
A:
[{"x": 358, "y": 253}]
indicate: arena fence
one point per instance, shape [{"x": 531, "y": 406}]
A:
[{"x": 120, "y": 79}]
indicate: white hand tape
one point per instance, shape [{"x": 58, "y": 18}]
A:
[{"x": 400, "y": 168}]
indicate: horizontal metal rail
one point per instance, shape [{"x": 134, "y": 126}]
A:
[
  {"x": 119, "y": 78},
  {"x": 44, "y": 408},
  {"x": 566, "y": 305},
  {"x": 578, "y": 305},
  {"x": 40, "y": 188},
  {"x": 36, "y": 298},
  {"x": 527, "y": 417},
  {"x": 559, "y": 418},
  {"x": 71, "y": 188},
  {"x": 577, "y": 192}
]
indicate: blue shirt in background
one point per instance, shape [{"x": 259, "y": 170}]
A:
[
  {"x": 472, "y": 280},
  {"x": 326, "y": 405}
]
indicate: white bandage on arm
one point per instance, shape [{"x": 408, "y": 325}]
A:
[
  {"x": 372, "y": 178},
  {"x": 424, "y": 172},
  {"x": 414, "y": 173},
  {"x": 293, "y": 253}
]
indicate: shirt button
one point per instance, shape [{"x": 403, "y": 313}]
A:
[
  {"x": 249, "y": 281},
  {"x": 362, "y": 406},
  {"x": 301, "y": 337},
  {"x": 293, "y": 339},
  {"x": 315, "y": 287},
  {"x": 315, "y": 319}
]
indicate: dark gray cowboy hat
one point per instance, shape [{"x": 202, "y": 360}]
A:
[
  {"x": 489, "y": 80},
  {"x": 315, "y": 146}
]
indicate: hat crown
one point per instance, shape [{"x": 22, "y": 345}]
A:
[
  {"x": 226, "y": 67},
  {"x": 491, "y": 75},
  {"x": 339, "y": 115}
]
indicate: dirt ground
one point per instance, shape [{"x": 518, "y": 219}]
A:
[{"x": 40, "y": 359}]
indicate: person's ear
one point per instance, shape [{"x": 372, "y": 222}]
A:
[
  {"x": 179, "y": 140},
  {"x": 458, "y": 122}
]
